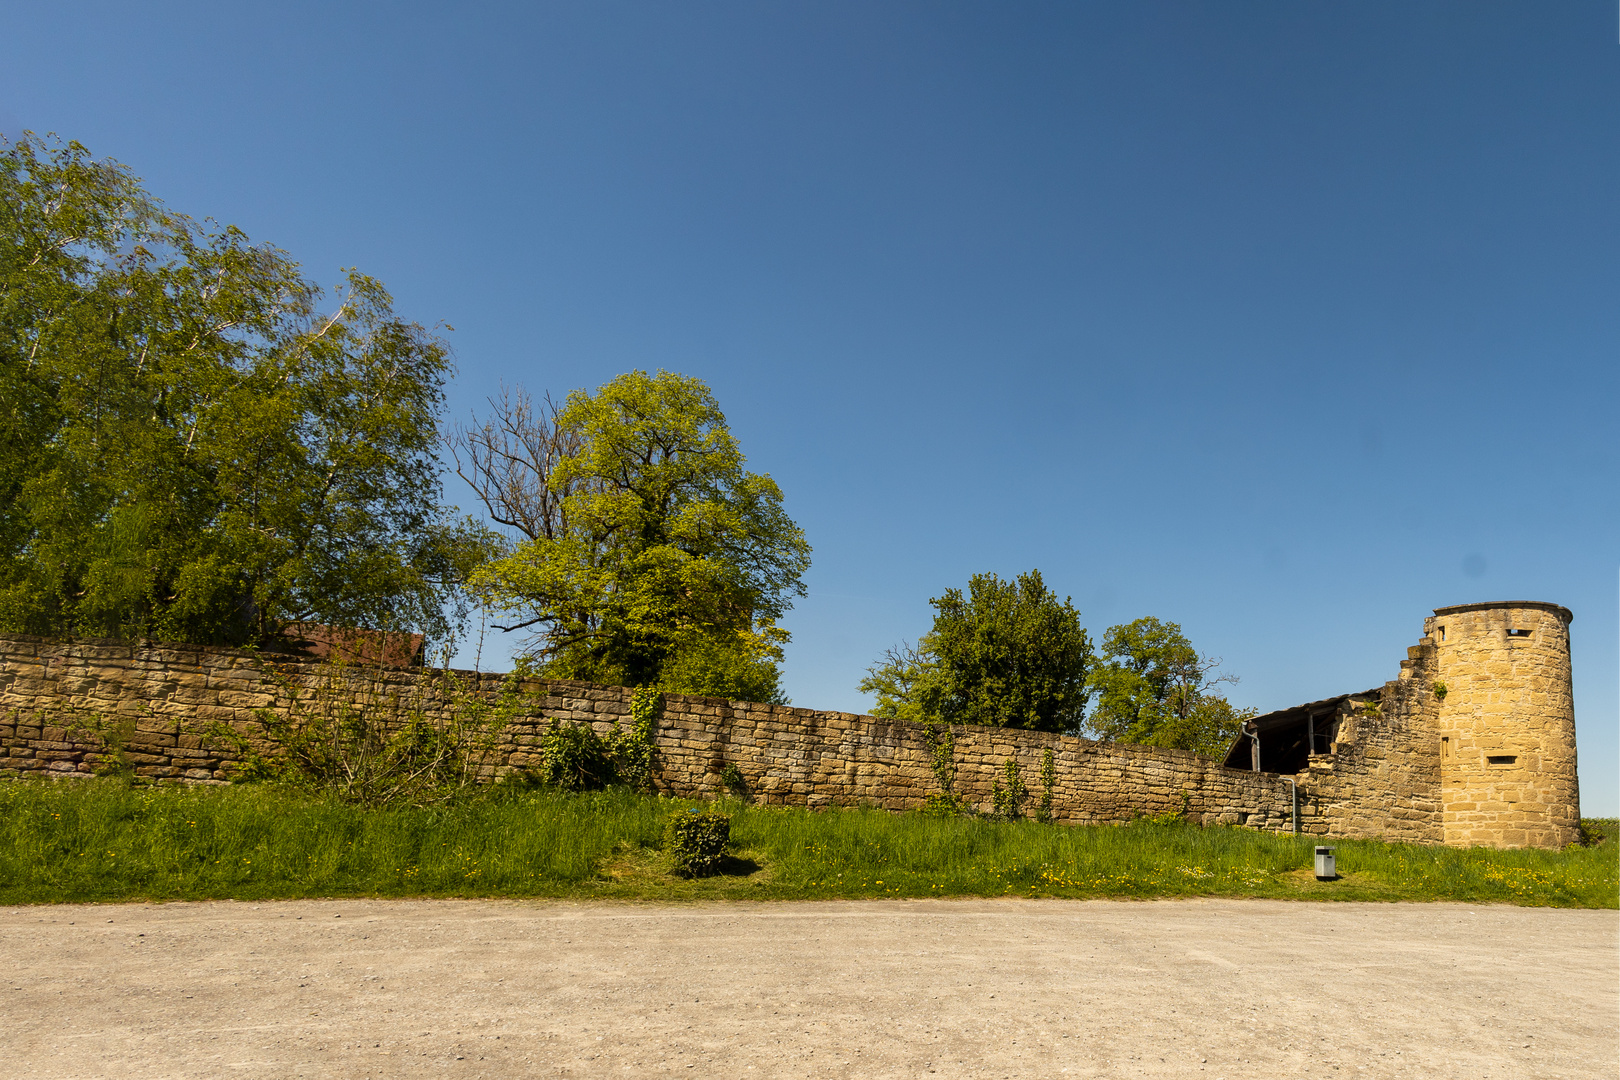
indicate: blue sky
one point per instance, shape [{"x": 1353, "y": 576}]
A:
[{"x": 1287, "y": 322}]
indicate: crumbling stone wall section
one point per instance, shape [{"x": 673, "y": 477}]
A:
[
  {"x": 53, "y": 695},
  {"x": 1506, "y": 726},
  {"x": 1381, "y": 776}
]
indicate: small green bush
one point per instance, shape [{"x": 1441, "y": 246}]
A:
[
  {"x": 696, "y": 839},
  {"x": 735, "y": 782},
  {"x": 1596, "y": 830},
  {"x": 942, "y": 804},
  {"x": 574, "y": 758}
]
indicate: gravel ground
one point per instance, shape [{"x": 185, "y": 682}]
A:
[{"x": 1005, "y": 988}]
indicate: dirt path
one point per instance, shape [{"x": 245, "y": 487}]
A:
[{"x": 890, "y": 988}]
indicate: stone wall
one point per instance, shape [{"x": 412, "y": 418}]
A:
[
  {"x": 1383, "y": 777},
  {"x": 56, "y": 696}
]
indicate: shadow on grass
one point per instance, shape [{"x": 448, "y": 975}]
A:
[
  {"x": 731, "y": 866},
  {"x": 635, "y": 872}
]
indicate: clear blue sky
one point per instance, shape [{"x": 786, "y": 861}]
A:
[{"x": 1284, "y": 321}]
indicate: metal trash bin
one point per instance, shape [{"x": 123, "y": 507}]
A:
[{"x": 1324, "y": 864}]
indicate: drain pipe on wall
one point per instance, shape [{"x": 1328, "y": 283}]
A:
[{"x": 1293, "y": 791}]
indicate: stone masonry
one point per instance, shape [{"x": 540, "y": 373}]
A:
[
  {"x": 1506, "y": 724},
  {"x": 60, "y": 700},
  {"x": 1404, "y": 764}
]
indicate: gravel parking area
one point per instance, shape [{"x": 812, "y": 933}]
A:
[{"x": 1005, "y": 988}]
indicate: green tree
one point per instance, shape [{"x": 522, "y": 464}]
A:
[
  {"x": 189, "y": 449},
  {"x": 905, "y": 680},
  {"x": 645, "y": 554},
  {"x": 1155, "y": 689},
  {"x": 1006, "y": 654}
]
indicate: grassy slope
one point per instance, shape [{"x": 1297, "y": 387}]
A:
[{"x": 101, "y": 841}]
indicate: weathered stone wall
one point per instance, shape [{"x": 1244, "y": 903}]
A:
[
  {"x": 54, "y": 696},
  {"x": 1381, "y": 776},
  {"x": 1414, "y": 768},
  {"x": 807, "y": 758},
  {"x": 1508, "y": 697}
]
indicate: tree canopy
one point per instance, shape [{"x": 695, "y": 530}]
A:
[
  {"x": 1155, "y": 689},
  {"x": 905, "y": 682},
  {"x": 1005, "y": 654},
  {"x": 190, "y": 448},
  {"x": 644, "y": 553},
  {"x": 1008, "y": 654}
]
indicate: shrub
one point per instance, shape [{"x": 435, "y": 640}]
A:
[
  {"x": 735, "y": 782},
  {"x": 431, "y": 747},
  {"x": 696, "y": 840},
  {"x": 941, "y": 804},
  {"x": 574, "y": 758},
  {"x": 1595, "y": 831}
]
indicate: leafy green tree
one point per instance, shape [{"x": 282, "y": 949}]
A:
[
  {"x": 189, "y": 449},
  {"x": 906, "y": 682},
  {"x": 742, "y": 666},
  {"x": 1006, "y": 654},
  {"x": 1010, "y": 655},
  {"x": 646, "y": 554},
  {"x": 1155, "y": 689}
]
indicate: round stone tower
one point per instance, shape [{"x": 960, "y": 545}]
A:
[{"x": 1507, "y": 724}]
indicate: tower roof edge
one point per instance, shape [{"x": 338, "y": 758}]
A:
[{"x": 1557, "y": 609}]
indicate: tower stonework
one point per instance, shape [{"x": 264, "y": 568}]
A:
[{"x": 1506, "y": 724}]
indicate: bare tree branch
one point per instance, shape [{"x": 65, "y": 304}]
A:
[{"x": 508, "y": 460}]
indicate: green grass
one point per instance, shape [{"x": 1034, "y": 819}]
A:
[{"x": 103, "y": 841}]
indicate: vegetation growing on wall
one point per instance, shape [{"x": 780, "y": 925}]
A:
[
  {"x": 575, "y": 758},
  {"x": 429, "y": 748},
  {"x": 1007, "y": 792},
  {"x": 1043, "y": 812},
  {"x": 941, "y": 746}
]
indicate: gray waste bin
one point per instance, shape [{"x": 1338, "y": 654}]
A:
[{"x": 1324, "y": 864}]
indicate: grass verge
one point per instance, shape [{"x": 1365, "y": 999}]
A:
[{"x": 100, "y": 840}]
